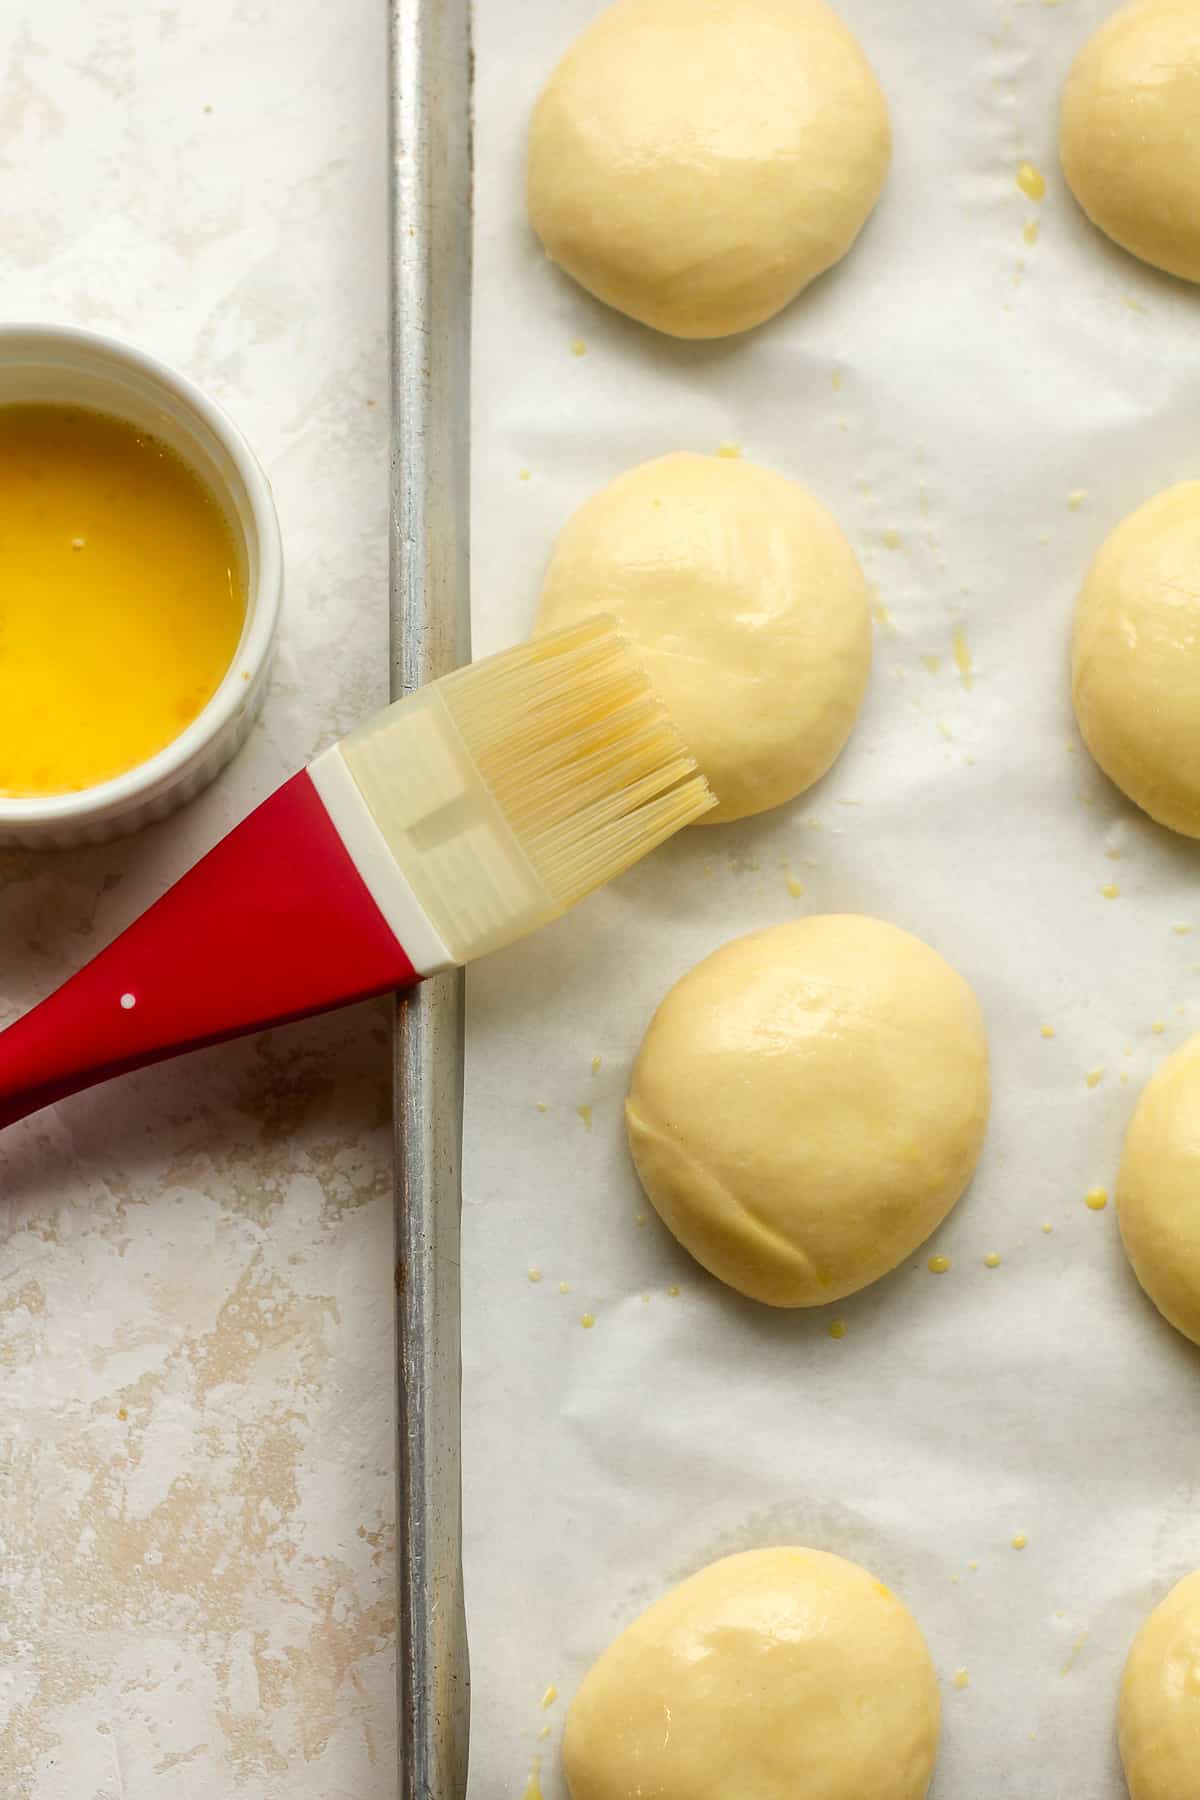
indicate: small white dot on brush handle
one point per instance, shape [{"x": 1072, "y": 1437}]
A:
[{"x": 128, "y": 1001}]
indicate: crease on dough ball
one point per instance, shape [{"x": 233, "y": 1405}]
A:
[
  {"x": 808, "y": 1104},
  {"x": 774, "y": 1674},
  {"x": 746, "y": 606},
  {"x": 696, "y": 163},
  {"x": 697, "y": 1207},
  {"x": 1127, "y": 132},
  {"x": 1135, "y": 658},
  {"x": 1158, "y": 1190}
]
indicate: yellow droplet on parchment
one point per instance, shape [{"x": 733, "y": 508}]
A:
[
  {"x": 533, "y": 1790},
  {"x": 1076, "y": 1647},
  {"x": 962, "y": 658}
]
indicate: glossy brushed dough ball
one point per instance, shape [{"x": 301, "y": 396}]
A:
[
  {"x": 808, "y": 1104},
  {"x": 1158, "y": 1720},
  {"x": 1158, "y": 1193},
  {"x": 1135, "y": 673},
  {"x": 747, "y": 606},
  {"x": 1128, "y": 132},
  {"x": 775, "y": 1675},
  {"x": 696, "y": 163}
]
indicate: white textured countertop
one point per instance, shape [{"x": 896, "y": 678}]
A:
[{"x": 195, "y": 1263}]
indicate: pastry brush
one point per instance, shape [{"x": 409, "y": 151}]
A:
[{"x": 456, "y": 821}]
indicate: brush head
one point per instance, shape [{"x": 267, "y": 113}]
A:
[{"x": 510, "y": 789}]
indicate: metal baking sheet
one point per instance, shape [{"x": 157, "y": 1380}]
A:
[
  {"x": 430, "y": 71},
  {"x": 979, "y": 392}
]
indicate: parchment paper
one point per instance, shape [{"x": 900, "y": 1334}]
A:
[{"x": 954, "y": 385}]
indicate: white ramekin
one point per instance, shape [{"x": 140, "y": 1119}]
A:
[{"x": 67, "y": 367}]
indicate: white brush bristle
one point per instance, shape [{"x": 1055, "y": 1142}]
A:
[
  {"x": 581, "y": 754},
  {"x": 510, "y": 789}
]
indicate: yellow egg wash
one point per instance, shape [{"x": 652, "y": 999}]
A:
[
  {"x": 121, "y": 598},
  {"x": 533, "y": 1790},
  {"x": 1076, "y": 1647},
  {"x": 962, "y": 658}
]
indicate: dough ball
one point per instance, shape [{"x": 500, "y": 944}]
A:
[
  {"x": 747, "y": 606},
  {"x": 1130, "y": 147},
  {"x": 808, "y": 1104},
  {"x": 1158, "y": 1194},
  {"x": 1158, "y": 1719},
  {"x": 1136, "y": 658},
  {"x": 695, "y": 163},
  {"x": 769, "y": 1676}
]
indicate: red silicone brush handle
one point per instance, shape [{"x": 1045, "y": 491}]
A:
[{"x": 274, "y": 923}]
